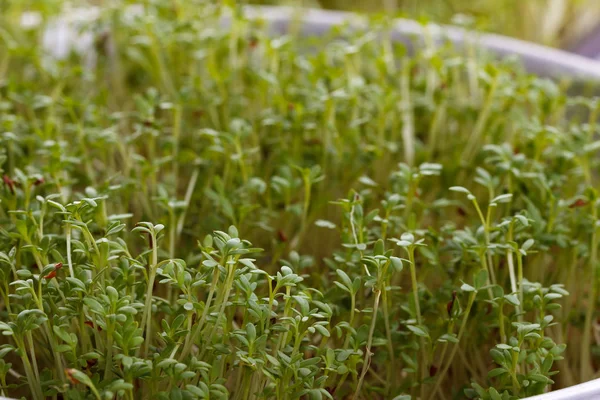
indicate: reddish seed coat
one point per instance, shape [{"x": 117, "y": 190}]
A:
[
  {"x": 282, "y": 236},
  {"x": 69, "y": 373},
  {"x": 52, "y": 274},
  {"x": 450, "y": 304},
  {"x": 91, "y": 325},
  {"x": 432, "y": 370},
  {"x": 501, "y": 264},
  {"x": 579, "y": 203},
  {"x": 313, "y": 142},
  {"x": 10, "y": 183}
]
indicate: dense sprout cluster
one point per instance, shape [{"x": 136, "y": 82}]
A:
[{"x": 329, "y": 217}]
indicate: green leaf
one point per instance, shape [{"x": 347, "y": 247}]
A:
[
  {"x": 448, "y": 337},
  {"x": 527, "y": 245},
  {"x": 397, "y": 263},
  {"x": 496, "y": 372},
  {"x": 341, "y": 286},
  {"x": 512, "y": 299},
  {"x": 460, "y": 189},
  {"x": 315, "y": 394},
  {"x": 467, "y": 288},
  {"x": 345, "y": 278},
  {"x": 407, "y": 237},
  {"x": 196, "y": 391},
  {"x": 210, "y": 263},
  {"x": 321, "y": 223},
  {"x": 61, "y": 333},
  {"x": 481, "y": 279},
  {"x": 503, "y": 198},
  {"x": 84, "y": 379},
  {"x": 591, "y": 147},
  {"x": 418, "y": 330},
  {"x": 322, "y": 330},
  {"x": 547, "y": 364},
  {"x": 94, "y": 305},
  {"x": 540, "y": 378},
  {"x": 251, "y": 332},
  {"x": 379, "y": 248},
  {"x": 494, "y": 395},
  {"x": 343, "y": 355},
  {"x": 497, "y": 356}
]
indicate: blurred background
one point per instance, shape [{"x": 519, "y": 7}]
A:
[
  {"x": 568, "y": 24},
  {"x": 557, "y": 23}
]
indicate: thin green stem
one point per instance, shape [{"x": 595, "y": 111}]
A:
[
  {"x": 368, "y": 354},
  {"x": 461, "y": 331},
  {"x": 585, "y": 356},
  {"x": 147, "y": 314},
  {"x": 190, "y": 339}
]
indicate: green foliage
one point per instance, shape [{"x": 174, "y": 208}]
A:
[{"x": 211, "y": 213}]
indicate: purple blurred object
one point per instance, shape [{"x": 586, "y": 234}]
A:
[{"x": 590, "y": 45}]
